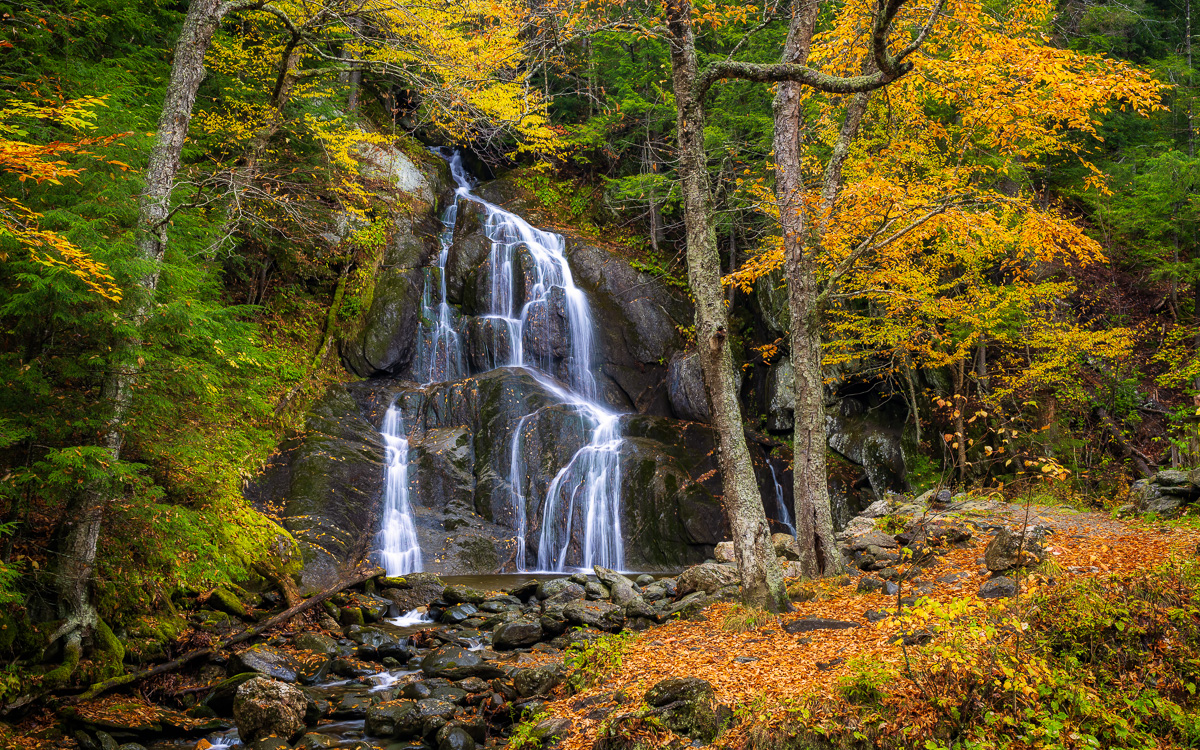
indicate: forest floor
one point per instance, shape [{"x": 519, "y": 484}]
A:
[{"x": 766, "y": 673}]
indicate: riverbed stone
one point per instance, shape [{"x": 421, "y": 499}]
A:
[
  {"x": 454, "y": 738},
  {"x": 457, "y": 663},
  {"x": 268, "y": 661},
  {"x": 462, "y": 594},
  {"x": 601, "y": 615},
  {"x": 318, "y": 643},
  {"x": 517, "y": 634},
  {"x": 538, "y": 680},
  {"x": 622, "y": 589},
  {"x": 263, "y": 707}
]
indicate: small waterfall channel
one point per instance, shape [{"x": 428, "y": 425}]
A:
[{"x": 583, "y": 502}]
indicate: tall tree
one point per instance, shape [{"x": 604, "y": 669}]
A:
[{"x": 762, "y": 583}]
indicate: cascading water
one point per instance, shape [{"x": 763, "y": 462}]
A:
[
  {"x": 539, "y": 320},
  {"x": 399, "y": 550},
  {"x": 439, "y": 350},
  {"x": 588, "y": 488},
  {"x": 784, "y": 516}
]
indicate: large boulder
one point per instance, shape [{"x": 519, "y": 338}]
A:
[
  {"x": 264, "y": 707},
  {"x": 1012, "y": 549},
  {"x": 688, "y": 706},
  {"x": 516, "y": 634},
  {"x": 708, "y": 578}
]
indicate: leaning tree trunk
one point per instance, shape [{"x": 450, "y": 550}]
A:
[
  {"x": 762, "y": 580},
  {"x": 87, "y": 515},
  {"x": 814, "y": 515}
]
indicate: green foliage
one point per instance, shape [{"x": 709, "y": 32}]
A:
[
  {"x": 866, "y": 683},
  {"x": 525, "y": 735},
  {"x": 590, "y": 663}
]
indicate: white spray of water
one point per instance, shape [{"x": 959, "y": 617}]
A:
[
  {"x": 784, "y": 516},
  {"x": 399, "y": 550}
]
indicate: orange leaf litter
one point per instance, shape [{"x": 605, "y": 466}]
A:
[{"x": 790, "y": 666}]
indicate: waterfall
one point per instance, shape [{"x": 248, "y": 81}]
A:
[
  {"x": 399, "y": 550},
  {"x": 439, "y": 349},
  {"x": 531, "y": 288},
  {"x": 784, "y": 516}
]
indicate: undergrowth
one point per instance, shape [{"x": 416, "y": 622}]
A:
[
  {"x": 1097, "y": 663},
  {"x": 588, "y": 664}
]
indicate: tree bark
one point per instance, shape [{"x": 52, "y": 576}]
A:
[
  {"x": 154, "y": 211},
  {"x": 762, "y": 580},
  {"x": 813, "y": 512}
]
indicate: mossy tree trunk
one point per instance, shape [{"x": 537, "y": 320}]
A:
[{"x": 86, "y": 515}]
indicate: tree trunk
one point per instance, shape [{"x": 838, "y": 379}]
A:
[
  {"x": 762, "y": 580},
  {"x": 960, "y": 425},
  {"x": 154, "y": 210},
  {"x": 814, "y": 515}
]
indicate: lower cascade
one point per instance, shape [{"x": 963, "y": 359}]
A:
[
  {"x": 531, "y": 285},
  {"x": 399, "y": 550}
]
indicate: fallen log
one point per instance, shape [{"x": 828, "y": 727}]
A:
[{"x": 103, "y": 687}]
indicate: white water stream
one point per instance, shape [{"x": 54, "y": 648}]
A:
[
  {"x": 785, "y": 517},
  {"x": 550, "y": 333}
]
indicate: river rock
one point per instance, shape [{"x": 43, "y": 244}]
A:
[
  {"x": 560, "y": 590},
  {"x": 460, "y": 594},
  {"x": 268, "y": 661},
  {"x": 457, "y": 663},
  {"x": 999, "y": 587},
  {"x": 458, "y": 613},
  {"x": 263, "y": 707},
  {"x": 318, "y": 643},
  {"x": 623, "y": 589},
  {"x": 434, "y": 714},
  {"x": 516, "y": 634},
  {"x": 1010, "y": 549},
  {"x": 393, "y": 719},
  {"x": 454, "y": 738},
  {"x": 595, "y": 614},
  {"x": 688, "y": 706},
  {"x": 538, "y": 680},
  {"x": 708, "y": 578}
]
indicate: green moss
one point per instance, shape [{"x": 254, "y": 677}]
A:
[{"x": 226, "y": 601}]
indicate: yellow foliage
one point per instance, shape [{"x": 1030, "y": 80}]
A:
[
  {"x": 42, "y": 163},
  {"x": 936, "y": 239}
]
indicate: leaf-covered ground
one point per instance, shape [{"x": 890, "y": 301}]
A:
[{"x": 761, "y": 671}]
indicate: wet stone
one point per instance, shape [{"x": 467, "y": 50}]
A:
[
  {"x": 458, "y": 613},
  {"x": 455, "y": 738},
  {"x": 460, "y": 594}
]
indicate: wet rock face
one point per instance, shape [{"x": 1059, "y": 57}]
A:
[
  {"x": 871, "y": 439},
  {"x": 263, "y": 707},
  {"x": 327, "y": 486}
]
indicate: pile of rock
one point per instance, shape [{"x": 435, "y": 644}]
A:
[{"x": 1165, "y": 493}]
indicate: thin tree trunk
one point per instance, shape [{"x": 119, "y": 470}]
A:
[
  {"x": 762, "y": 580},
  {"x": 154, "y": 211},
  {"x": 960, "y": 427}
]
